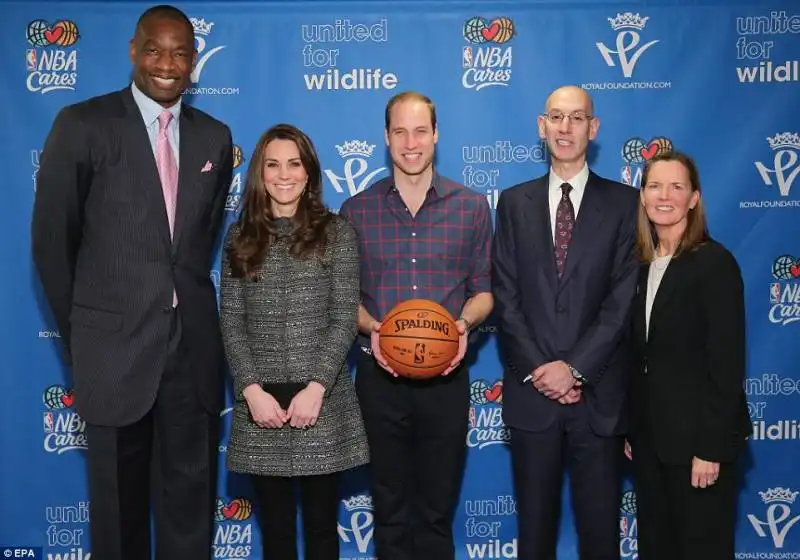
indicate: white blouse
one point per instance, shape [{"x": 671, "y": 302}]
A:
[{"x": 658, "y": 267}]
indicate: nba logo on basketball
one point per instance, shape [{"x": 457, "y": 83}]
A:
[
  {"x": 774, "y": 293},
  {"x": 419, "y": 353}
]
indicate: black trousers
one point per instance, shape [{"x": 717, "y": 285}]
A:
[
  {"x": 417, "y": 433},
  {"x": 538, "y": 461},
  {"x": 319, "y": 498},
  {"x": 175, "y": 445},
  {"x": 677, "y": 521}
]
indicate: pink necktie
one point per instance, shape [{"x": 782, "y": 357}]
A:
[
  {"x": 168, "y": 171},
  {"x": 167, "y": 168}
]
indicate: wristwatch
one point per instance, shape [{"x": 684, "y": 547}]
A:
[
  {"x": 577, "y": 375},
  {"x": 466, "y": 322}
]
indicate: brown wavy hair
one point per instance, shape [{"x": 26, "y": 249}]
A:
[
  {"x": 257, "y": 230},
  {"x": 696, "y": 232}
]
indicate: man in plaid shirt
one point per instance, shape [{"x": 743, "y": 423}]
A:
[{"x": 422, "y": 236}]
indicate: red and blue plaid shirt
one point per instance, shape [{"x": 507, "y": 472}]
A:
[{"x": 441, "y": 254}]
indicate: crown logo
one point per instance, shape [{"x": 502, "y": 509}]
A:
[
  {"x": 200, "y": 26},
  {"x": 628, "y": 20},
  {"x": 784, "y": 140},
  {"x": 355, "y": 148},
  {"x": 361, "y": 501},
  {"x": 778, "y": 494}
]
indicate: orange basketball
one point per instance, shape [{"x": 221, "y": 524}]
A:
[{"x": 419, "y": 338}]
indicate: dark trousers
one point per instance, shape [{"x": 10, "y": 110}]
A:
[
  {"x": 417, "y": 433},
  {"x": 677, "y": 521},
  {"x": 538, "y": 460},
  {"x": 319, "y": 498},
  {"x": 175, "y": 444}
]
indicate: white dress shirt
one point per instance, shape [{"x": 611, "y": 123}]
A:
[
  {"x": 578, "y": 183},
  {"x": 150, "y": 111}
]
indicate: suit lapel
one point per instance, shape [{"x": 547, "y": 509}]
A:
[
  {"x": 188, "y": 171},
  {"x": 640, "y": 306},
  {"x": 670, "y": 281},
  {"x": 140, "y": 152},
  {"x": 587, "y": 225},
  {"x": 537, "y": 220}
]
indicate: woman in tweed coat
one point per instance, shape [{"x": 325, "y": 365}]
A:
[{"x": 289, "y": 302}]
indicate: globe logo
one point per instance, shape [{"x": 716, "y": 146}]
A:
[
  {"x": 477, "y": 392},
  {"x": 786, "y": 267},
  {"x": 56, "y": 397},
  {"x": 63, "y": 33},
  {"x": 481, "y": 392},
  {"x": 628, "y": 502},
  {"x": 478, "y": 30}
]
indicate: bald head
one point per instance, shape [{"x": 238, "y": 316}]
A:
[
  {"x": 568, "y": 126},
  {"x": 572, "y": 96}
]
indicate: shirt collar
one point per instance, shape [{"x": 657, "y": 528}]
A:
[
  {"x": 439, "y": 186},
  {"x": 150, "y": 109},
  {"x": 578, "y": 182}
]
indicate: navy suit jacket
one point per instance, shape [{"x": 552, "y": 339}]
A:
[{"x": 581, "y": 318}]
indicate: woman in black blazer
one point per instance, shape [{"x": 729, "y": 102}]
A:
[{"x": 689, "y": 414}]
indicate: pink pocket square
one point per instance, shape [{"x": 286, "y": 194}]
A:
[{"x": 207, "y": 167}]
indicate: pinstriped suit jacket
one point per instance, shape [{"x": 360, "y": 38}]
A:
[{"x": 102, "y": 248}]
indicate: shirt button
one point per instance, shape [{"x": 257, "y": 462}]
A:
[
  {"x": 413, "y": 260},
  {"x": 414, "y": 287},
  {"x": 413, "y": 234}
]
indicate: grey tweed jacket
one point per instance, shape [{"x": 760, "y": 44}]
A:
[{"x": 296, "y": 323}]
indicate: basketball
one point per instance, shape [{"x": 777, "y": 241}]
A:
[{"x": 419, "y": 339}]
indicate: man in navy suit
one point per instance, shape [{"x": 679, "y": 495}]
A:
[{"x": 564, "y": 277}]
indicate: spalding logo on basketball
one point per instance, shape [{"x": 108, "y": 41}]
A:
[{"x": 419, "y": 338}]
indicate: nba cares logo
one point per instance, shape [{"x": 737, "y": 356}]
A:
[
  {"x": 51, "y": 63},
  {"x": 628, "y": 25},
  {"x": 486, "y": 63},
  {"x": 357, "y": 176}
]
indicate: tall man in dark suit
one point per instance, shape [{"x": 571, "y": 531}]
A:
[
  {"x": 128, "y": 206},
  {"x": 564, "y": 277}
]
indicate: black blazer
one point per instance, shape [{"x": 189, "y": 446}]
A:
[
  {"x": 687, "y": 392},
  {"x": 102, "y": 248},
  {"x": 583, "y": 317}
]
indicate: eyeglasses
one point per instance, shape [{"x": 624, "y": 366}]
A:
[{"x": 577, "y": 117}]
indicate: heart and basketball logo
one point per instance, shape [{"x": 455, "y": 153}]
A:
[
  {"x": 238, "y": 509},
  {"x": 483, "y": 392},
  {"x": 63, "y": 33},
  {"x": 637, "y": 151}
]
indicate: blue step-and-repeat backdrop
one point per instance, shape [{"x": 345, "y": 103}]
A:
[{"x": 719, "y": 80}]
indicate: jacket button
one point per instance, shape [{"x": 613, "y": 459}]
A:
[
  {"x": 561, "y": 309},
  {"x": 166, "y": 310}
]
